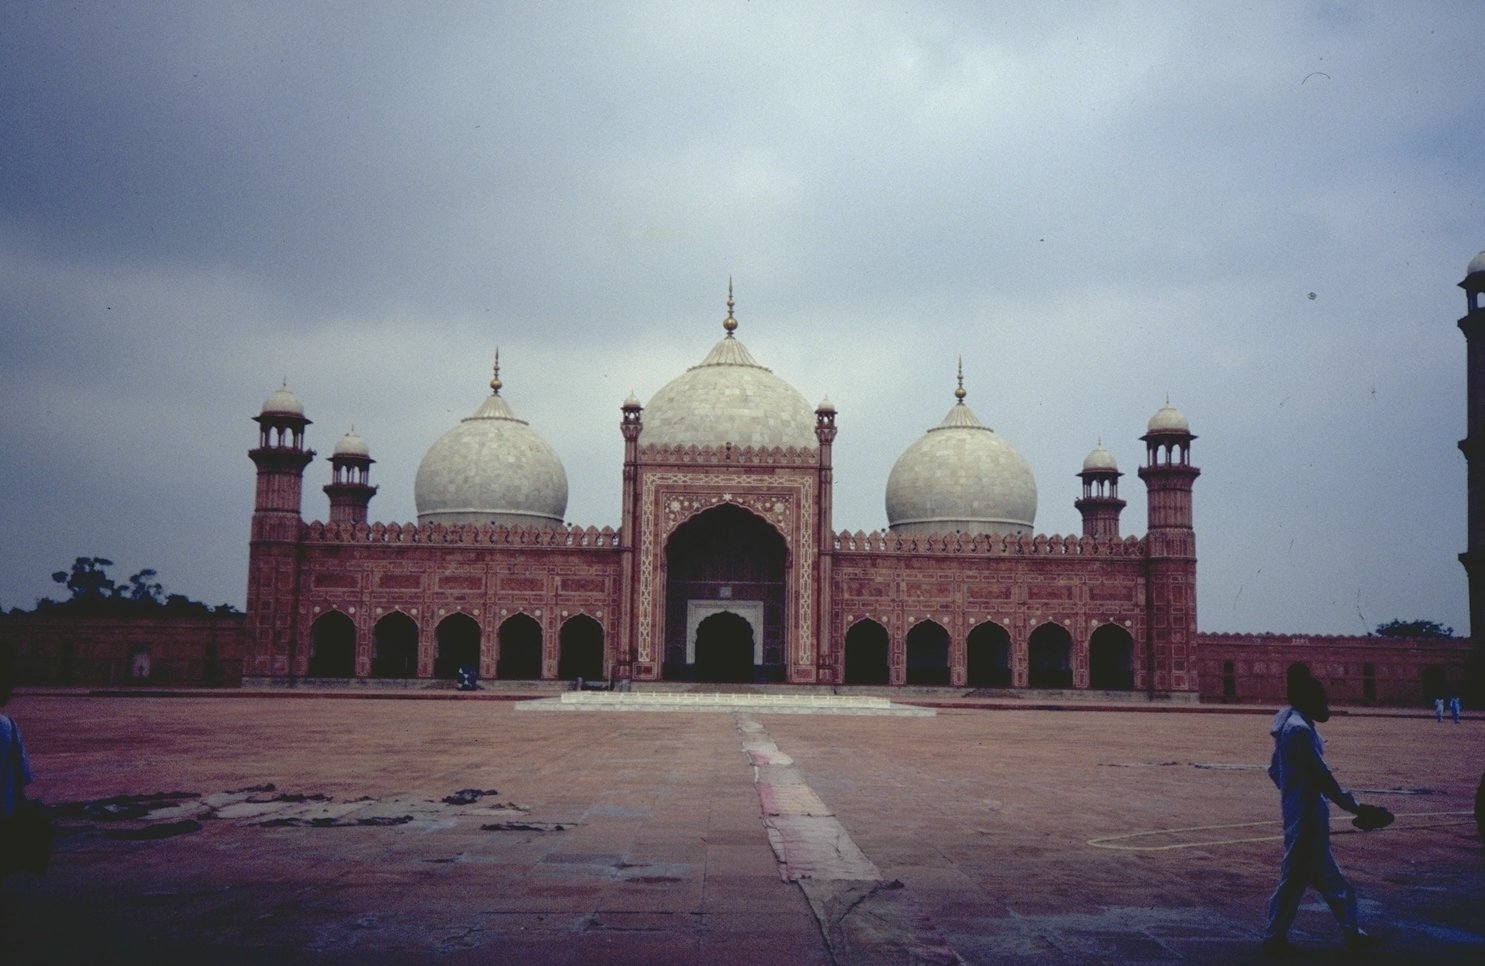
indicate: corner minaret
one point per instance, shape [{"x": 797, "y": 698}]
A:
[
  {"x": 1473, "y": 447},
  {"x": 350, "y": 490},
  {"x": 273, "y": 549},
  {"x": 1100, "y": 505},
  {"x": 1170, "y": 597}
]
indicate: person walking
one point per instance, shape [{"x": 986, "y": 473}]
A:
[
  {"x": 1299, "y": 772},
  {"x": 1438, "y": 709}
]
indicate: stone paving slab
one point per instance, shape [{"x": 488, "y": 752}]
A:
[{"x": 301, "y": 830}]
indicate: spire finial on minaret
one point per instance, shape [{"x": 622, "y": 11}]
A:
[
  {"x": 729, "y": 323},
  {"x": 495, "y": 382},
  {"x": 959, "y": 392}
]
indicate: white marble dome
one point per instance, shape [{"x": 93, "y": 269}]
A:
[
  {"x": 1477, "y": 264},
  {"x": 961, "y": 477},
  {"x": 282, "y": 402},
  {"x": 729, "y": 398},
  {"x": 491, "y": 468},
  {"x": 352, "y": 445},
  {"x": 1100, "y": 460},
  {"x": 1168, "y": 419}
]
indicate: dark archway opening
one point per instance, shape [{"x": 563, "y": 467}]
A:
[
  {"x": 866, "y": 654},
  {"x": 395, "y": 647},
  {"x": 1435, "y": 683},
  {"x": 987, "y": 657},
  {"x": 928, "y": 655},
  {"x": 1111, "y": 659},
  {"x": 1049, "y": 657},
  {"x": 580, "y": 650},
  {"x": 458, "y": 646},
  {"x": 725, "y": 554},
  {"x": 724, "y": 649},
  {"x": 520, "y": 649},
  {"x": 332, "y": 647}
]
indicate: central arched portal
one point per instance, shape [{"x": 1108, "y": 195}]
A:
[{"x": 724, "y": 598}]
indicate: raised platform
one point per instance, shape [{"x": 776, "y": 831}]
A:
[{"x": 693, "y": 701}]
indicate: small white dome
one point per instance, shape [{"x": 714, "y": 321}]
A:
[
  {"x": 351, "y": 445},
  {"x": 491, "y": 468},
  {"x": 1100, "y": 459},
  {"x": 1168, "y": 419},
  {"x": 1477, "y": 264},
  {"x": 282, "y": 402},
  {"x": 961, "y": 477},
  {"x": 729, "y": 398}
]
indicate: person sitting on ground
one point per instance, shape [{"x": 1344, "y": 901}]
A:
[{"x": 1298, "y": 770}]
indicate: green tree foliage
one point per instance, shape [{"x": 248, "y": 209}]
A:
[
  {"x": 95, "y": 593},
  {"x": 1423, "y": 629}
]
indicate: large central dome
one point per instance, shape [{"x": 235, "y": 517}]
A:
[{"x": 729, "y": 398}]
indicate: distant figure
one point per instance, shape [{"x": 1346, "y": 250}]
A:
[
  {"x": 1438, "y": 709},
  {"x": 1454, "y": 708},
  {"x": 15, "y": 770},
  {"x": 1304, "y": 782}
]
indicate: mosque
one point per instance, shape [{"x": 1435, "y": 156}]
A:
[{"x": 725, "y": 566}]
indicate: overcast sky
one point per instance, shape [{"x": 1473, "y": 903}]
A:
[{"x": 1259, "y": 211}]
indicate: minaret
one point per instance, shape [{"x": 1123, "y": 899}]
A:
[
  {"x": 1473, "y": 446},
  {"x": 1170, "y": 597},
  {"x": 281, "y": 459},
  {"x": 350, "y": 488},
  {"x": 828, "y": 662},
  {"x": 630, "y": 425},
  {"x": 1100, "y": 505},
  {"x": 273, "y": 549}
]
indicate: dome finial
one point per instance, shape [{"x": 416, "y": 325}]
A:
[
  {"x": 729, "y": 323},
  {"x": 495, "y": 382},
  {"x": 959, "y": 392}
]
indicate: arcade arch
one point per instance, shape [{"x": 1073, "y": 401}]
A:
[
  {"x": 519, "y": 658},
  {"x": 866, "y": 653},
  {"x": 987, "y": 656},
  {"x": 1049, "y": 657},
  {"x": 332, "y": 646},
  {"x": 395, "y": 647},
  {"x": 927, "y": 655}
]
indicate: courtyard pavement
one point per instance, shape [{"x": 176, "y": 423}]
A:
[{"x": 293, "y": 828}]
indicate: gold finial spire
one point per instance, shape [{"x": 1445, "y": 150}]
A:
[
  {"x": 959, "y": 392},
  {"x": 729, "y": 323},
  {"x": 495, "y": 382}
]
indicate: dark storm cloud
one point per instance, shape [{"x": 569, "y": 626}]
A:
[{"x": 1095, "y": 206}]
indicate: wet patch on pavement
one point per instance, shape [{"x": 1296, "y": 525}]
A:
[{"x": 162, "y": 815}]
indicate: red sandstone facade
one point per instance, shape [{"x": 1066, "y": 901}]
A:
[{"x": 737, "y": 534}]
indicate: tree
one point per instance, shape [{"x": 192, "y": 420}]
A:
[
  {"x": 88, "y": 580},
  {"x": 95, "y": 593},
  {"x": 1431, "y": 630}
]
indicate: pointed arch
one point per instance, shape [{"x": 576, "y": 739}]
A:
[
  {"x": 458, "y": 640},
  {"x": 519, "y": 657},
  {"x": 1049, "y": 657},
  {"x": 927, "y": 654},
  {"x": 1111, "y": 659},
  {"x": 724, "y": 649},
  {"x": 988, "y": 656},
  {"x": 395, "y": 647},
  {"x": 866, "y": 653},
  {"x": 580, "y": 649},
  {"x": 332, "y": 646}
]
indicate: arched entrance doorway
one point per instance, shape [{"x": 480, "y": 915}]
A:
[
  {"x": 332, "y": 647},
  {"x": 725, "y": 560},
  {"x": 987, "y": 657},
  {"x": 866, "y": 653},
  {"x": 1111, "y": 659},
  {"x": 395, "y": 647},
  {"x": 520, "y": 649},
  {"x": 580, "y": 649},
  {"x": 928, "y": 655},
  {"x": 724, "y": 649},
  {"x": 458, "y": 645},
  {"x": 1049, "y": 657}
]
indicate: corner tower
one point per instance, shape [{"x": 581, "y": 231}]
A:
[
  {"x": 1170, "y": 593},
  {"x": 1473, "y": 447},
  {"x": 273, "y": 548}
]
